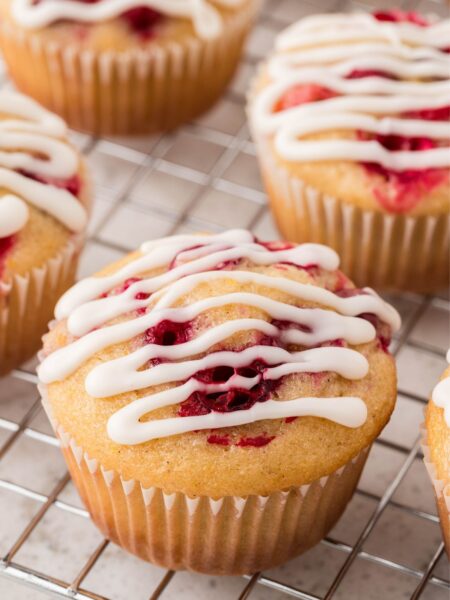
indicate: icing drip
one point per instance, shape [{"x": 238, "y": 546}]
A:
[
  {"x": 13, "y": 215},
  {"x": 359, "y": 73},
  {"x": 222, "y": 388},
  {"x": 441, "y": 395},
  {"x": 205, "y": 18},
  {"x": 36, "y": 166}
]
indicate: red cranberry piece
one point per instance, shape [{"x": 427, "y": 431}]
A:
[
  {"x": 142, "y": 20},
  {"x": 201, "y": 403},
  {"x": 400, "y": 16},
  {"x": 72, "y": 185},
  {"x": 194, "y": 406},
  {"x": 221, "y": 440},
  {"x": 430, "y": 114},
  {"x": 406, "y": 187},
  {"x": 383, "y": 330},
  {"x": 361, "y": 73},
  {"x": 290, "y": 325},
  {"x": 303, "y": 94},
  {"x": 255, "y": 442},
  {"x": 168, "y": 333},
  {"x": 215, "y": 375},
  {"x": 6, "y": 245}
]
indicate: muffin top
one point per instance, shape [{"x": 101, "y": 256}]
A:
[
  {"x": 221, "y": 365},
  {"x": 42, "y": 186},
  {"x": 121, "y": 24},
  {"x": 438, "y": 427},
  {"x": 358, "y": 106}
]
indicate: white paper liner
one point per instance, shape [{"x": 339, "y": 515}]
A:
[
  {"x": 227, "y": 535},
  {"x": 144, "y": 90},
  {"x": 27, "y": 302},
  {"x": 385, "y": 251},
  {"x": 441, "y": 489}
]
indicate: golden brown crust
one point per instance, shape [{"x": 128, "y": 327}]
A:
[
  {"x": 438, "y": 438},
  {"x": 301, "y": 452}
]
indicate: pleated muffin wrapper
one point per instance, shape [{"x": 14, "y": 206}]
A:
[
  {"x": 146, "y": 90},
  {"x": 382, "y": 250},
  {"x": 441, "y": 490},
  {"x": 27, "y": 303},
  {"x": 229, "y": 535}
]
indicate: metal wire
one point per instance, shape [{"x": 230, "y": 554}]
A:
[{"x": 234, "y": 146}]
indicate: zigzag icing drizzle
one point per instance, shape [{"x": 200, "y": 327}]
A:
[
  {"x": 32, "y": 141},
  {"x": 441, "y": 395},
  {"x": 324, "y": 50},
  {"x": 206, "y": 19},
  {"x": 196, "y": 258}
]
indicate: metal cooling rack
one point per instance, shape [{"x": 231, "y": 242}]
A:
[{"x": 204, "y": 177}]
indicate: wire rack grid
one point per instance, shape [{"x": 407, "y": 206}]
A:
[{"x": 205, "y": 177}]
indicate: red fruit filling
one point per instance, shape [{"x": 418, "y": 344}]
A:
[
  {"x": 141, "y": 20},
  {"x": 202, "y": 403},
  {"x": 6, "y": 245},
  {"x": 255, "y": 442},
  {"x": 169, "y": 333},
  {"x": 72, "y": 185},
  {"x": 382, "y": 329},
  {"x": 282, "y": 325},
  {"x": 400, "y": 16},
  {"x": 406, "y": 188},
  {"x": 221, "y": 440},
  {"x": 302, "y": 94},
  {"x": 361, "y": 73},
  {"x": 125, "y": 285},
  {"x": 430, "y": 114}
]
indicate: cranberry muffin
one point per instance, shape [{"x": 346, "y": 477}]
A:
[
  {"x": 350, "y": 115},
  {"x": 436, "y": 449},
  {"x": 43, "y": 200},
  {"x": 220, "y": 384},
  {"x": 124, "y": 66}
]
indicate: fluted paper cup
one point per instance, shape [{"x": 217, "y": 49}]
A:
[
  {"x": 27, "y": 303},
  {"x": 226, "y": 535},
  {"x": 441, "y": 491},
  {"x": 143, "y": 90},
  {"x": 382, "y": 250}
]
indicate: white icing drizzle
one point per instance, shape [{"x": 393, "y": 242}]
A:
[
  {"x": 13, "y": 215},
  {"x": 32, "y": 140},
  {"x": 194, "y": 260},
  {"x": 205, "y": 18},
  {"x": 441, "y": 395},
  {"x": 323, "y": 50}
]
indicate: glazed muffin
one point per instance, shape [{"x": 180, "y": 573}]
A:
[
  {"x": 219, "y": 384},
  {"x": 43, "y": 201},
  {"x": 350, "y": 116},
  {"x": 436, "y": 449},
  {"x": 126, "y": 66}
]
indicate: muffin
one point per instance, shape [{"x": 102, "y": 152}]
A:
[
  {"x": 436, "y": 449},
  {"x": 218, "y": 384},
  {"x": 43, "y": 200},
  {"x": 126, "y": 66},
  {"x": 350, "y": 116}
]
